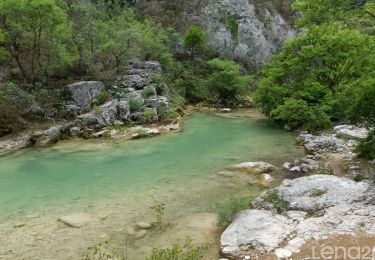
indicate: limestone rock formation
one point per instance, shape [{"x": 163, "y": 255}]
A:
[{"x": 315, "y": 206}]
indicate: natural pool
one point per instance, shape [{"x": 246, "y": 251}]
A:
[{"x": 118, "y": 182}]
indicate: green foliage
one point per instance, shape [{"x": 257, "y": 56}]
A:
[
  {"x": 318, "y": 192},
  {"x": 149, "y": 114},
  {"x": 359, "y": 178},
  {"x": 149, "y": 91},
  {"x": 233, "y": 27},
  {"x": 274, "y": 198},
  {"x": 159, "y": 212},
  {"x": 314, "y": 73},
  {"x": 13, "y": 104},
  {"x": 297, "y": 114},
  {"x": 134, "y": 104},
  {"x": 186, "y": 252},
  {"x": 35, "y": 33},
  {"x": 366, "y": 147},
  {"x": 102, "y": 98},
  {"x": 97, "y": 252},
  {"x": 195, "y": 39},
  {"x": 226, "y": 81},
  {"x": 227, "y": 211}
]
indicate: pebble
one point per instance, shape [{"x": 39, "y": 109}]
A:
[
  {"x": 283, "y": 253},
  {"x": 143, "y": 225}
]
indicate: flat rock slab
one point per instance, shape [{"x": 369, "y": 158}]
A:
[
  {"x": 315, "y": 206},
  {"x": 255, "y": 229},
  {"x": 254, "y": 167},
  {"x": 76, "y": 220}
]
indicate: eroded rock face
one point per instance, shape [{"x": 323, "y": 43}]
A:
[
  {"x": 83, "y": 93},
  {"x": 315, "y": 206},
  {"x": 143, "y": 94},
  {"x": 261, "y": 29},
  {"x": 322, "y": 143}
]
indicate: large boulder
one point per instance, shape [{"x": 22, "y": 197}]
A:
[
  {"x": 351, "y": 132},
  {"x": 321, "y": 143},
  {"x": 313, "y": 207},
  {"x": 254, "y": 167},
  {"x": 84, "y": 93},
  {"x": 255, "y": 229}
]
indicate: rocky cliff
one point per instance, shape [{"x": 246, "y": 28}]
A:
[{"x": 246, "y": 30}]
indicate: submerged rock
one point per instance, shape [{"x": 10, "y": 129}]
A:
[
  {"x": 76, "y": 220},
  {"x": 315, "y": 206},
  {"x": 254, "y": 167},
  {"x": 143, "y": 225}
]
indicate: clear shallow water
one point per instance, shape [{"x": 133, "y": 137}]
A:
[{"x": 48, "y": 179}]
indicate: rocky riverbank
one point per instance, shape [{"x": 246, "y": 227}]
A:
[
  {"x": 134, "y": 99},
  {"x": 311, "y": 204}
]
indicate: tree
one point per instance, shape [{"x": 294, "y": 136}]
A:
[
  {"x": 317, "y": 68},
  {"x": 226, "y": 81},
  {"x": 34, "y": 35},
  {"x": 195, "y": 40}
]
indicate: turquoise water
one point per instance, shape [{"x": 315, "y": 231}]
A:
[{"x": 35, "y": 180}]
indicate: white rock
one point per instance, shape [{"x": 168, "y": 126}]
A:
[
  {"x": 225, "y": 110},
  {"x": 76, "y": 220},
  {"x": 287, "y": 165},
  {"x": 295, "y": 169},
  {"x": 143, "y": 225},
  {"x": 254, "y": 167},
  {"x": 257, "y": 229},
  {"x": 351, "y": 132},
  {"x": 265, "y": 179},
  {"x": 282, "y": 253}
]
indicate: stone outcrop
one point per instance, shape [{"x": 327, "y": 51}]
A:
[
  {"x": 83, "y": 94},
  {"x": 254, "y": 167},
  {"x": 314, "y": 207},
  {"x": 147, "y": 99},
  {"x": 322, "y": 143},
  {"x": 247, "y": 30},
  {"x": 350, "y": 132}
]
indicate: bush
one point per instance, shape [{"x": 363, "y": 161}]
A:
[
  {"x": 195, "y": 39},
  {"x": 366, "y": 147},
  {"x": 13, "y": 105},
  {"x": 226, "y": 82},
  {"x": 149, "y": 114},
  {"x": 134, "y": 104},
  {"x": 149, "y": 91},
  {"x": 297, "y": 114},
  {"x": 227, "y": 211},
  {"x": 102, "y": 98},
  {"x": 322, "y": 75}
]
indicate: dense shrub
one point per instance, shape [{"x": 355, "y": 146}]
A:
[
  {"x": 226, "y": 82},
  {"x": 366, "y": 147},
  {"x": 317, "y": 70}
]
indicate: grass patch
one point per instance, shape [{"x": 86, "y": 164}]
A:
[
  {"x": 359, "y": 178},
  {"x": 186, "y": 252},
  {"x": 318, "y": 192},
  {"x": 229, "y": 209},
  {"x": 274, "y": 198},
  {"x": 149, "y": 91}
]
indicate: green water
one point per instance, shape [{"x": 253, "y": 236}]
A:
[{"x": 85, "y": 172}]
